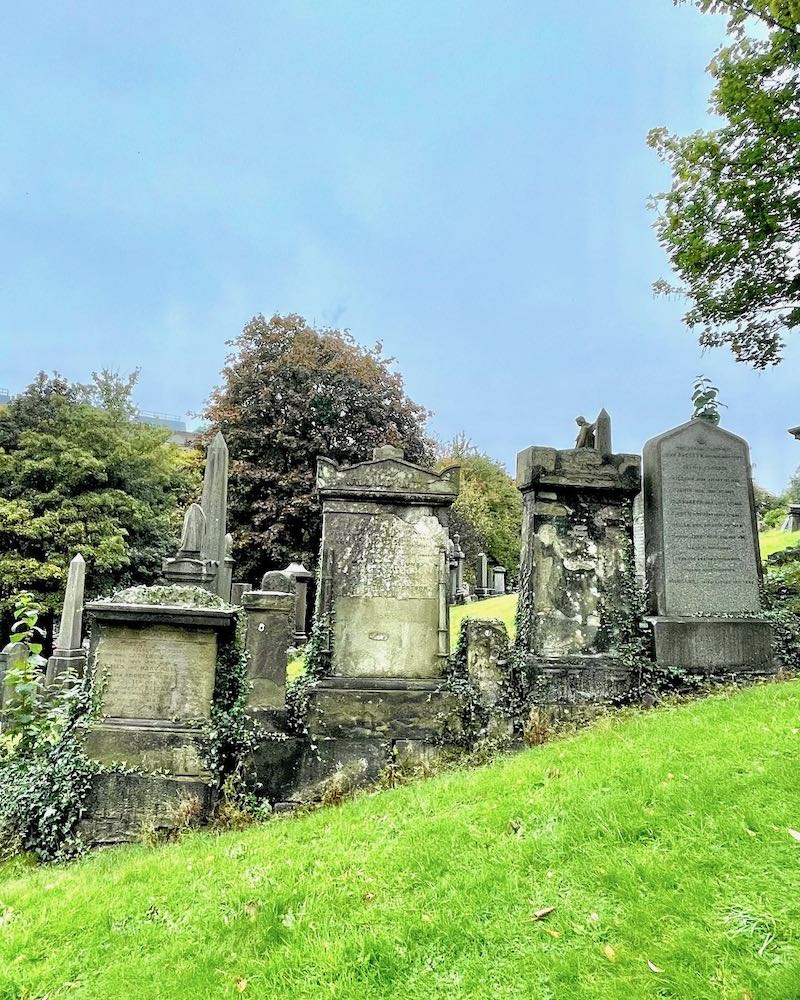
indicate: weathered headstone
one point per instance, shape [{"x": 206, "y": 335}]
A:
[
  {"x": 702, "y": 558},
  {"x": 482, "y": 576},
  {"x": 792, "y": 520},
  {"x": 577, "y": 555},
  {"x": 638, "y": 541},
  {"x": 383, "y": 596},
  {"x": 154, "y": 667},
  {"x": 68, "y": 655},
  {"x": 302, "y": 579},
  {"x": 270, "y": 618},
  {"x": 10, "y": 658},
  {"x": 498, "y": 580}
]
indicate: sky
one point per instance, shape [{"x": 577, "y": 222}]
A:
[{"x": 465, "y": 181}]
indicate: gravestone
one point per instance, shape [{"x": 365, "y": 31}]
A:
[
  {"x": 302, "y": 580},
  {"x": 215, "y": 508},
  {"x": 482, "y": 576},
  {"x": 382, "y": 605},
  {"x": 154, "y": 667},
  {"x": 792, "y": 520},
  {"x": 498, "y": 580},
  {"x": 576, "y": 565},
  {"x": 702, "y": 559},
  {"x": 68, "y": 656},
  {"x": 189, "y": 567},
  {"x": 270, "y": 621},
  {"x": 638, "y": 541}
]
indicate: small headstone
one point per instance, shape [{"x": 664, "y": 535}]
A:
[
  {"x": 482, "y": 575},
  {"x": 277, "y": 582}
]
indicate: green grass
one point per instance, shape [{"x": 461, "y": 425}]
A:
[
  {"x": 504, "y": 608},
  {"x": 658, "y": 837},
  {"x": 775, "y": 540}
]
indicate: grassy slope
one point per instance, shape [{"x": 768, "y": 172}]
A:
[
  {"x": 662, "y": 836},
  {"x": 774, "y": 541}
]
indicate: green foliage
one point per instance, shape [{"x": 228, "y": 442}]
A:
[
  {"x": 45, "y": 777},
  {"x": 487, "y": 513},
  {"x": 730, "y": 222},
  {"x": 291, "y": 393},
  {"x": 705, "y": 400},
  {"x": 77, "y": 475},
  {"x": 663, "y": 836},
  {"x": 775, "y": 516},
  {"x": 317, "y": 656}
]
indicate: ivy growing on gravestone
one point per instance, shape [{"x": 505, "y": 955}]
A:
[{"x": 45, "y": 777}]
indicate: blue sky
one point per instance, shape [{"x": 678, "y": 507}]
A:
[{"x": 465, "y": 181}]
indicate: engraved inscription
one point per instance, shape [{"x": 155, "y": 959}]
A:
[
  {"x": 709, "y": 546},
  {"x": 162, "y": 672}
]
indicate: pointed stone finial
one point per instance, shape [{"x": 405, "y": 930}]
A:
[
  {"x": 193, "y": 534},
  {"x": 215, "y": 504},
  {"x": 602, "y": 433},
  {"x": 69, "y": 635}
]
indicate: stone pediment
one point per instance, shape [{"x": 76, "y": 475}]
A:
[{"x": 388, "y": 478}]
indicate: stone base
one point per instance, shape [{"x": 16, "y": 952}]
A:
[
  {"x": 65, "y": 662},
  {"x": 121, "y": 807},
  {"x": 146, "y": 746},
  {"x": 387, "y": 708},
  {"x": 714, "y": 646},
  {"x": 581, "y": 680}
]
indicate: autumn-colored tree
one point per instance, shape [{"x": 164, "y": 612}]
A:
[{"x": 292, "y": 392}]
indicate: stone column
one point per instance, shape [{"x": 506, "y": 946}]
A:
[
  {"x": 302, "y": 579},
  {"x": 68, "y": 655},
  {"x": 270, "y": 619},
  {"x": 702, "y": 558},
  {"x": 482, "y": 576},
  {"x": 215, "y": 508},
  {"x": 576, "y": 561}
]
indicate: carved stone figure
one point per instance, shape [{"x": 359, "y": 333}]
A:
[{"x": 585, "y": 438}]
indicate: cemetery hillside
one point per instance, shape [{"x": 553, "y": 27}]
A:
[
  {"x": 655, "y": 855},
  {"x": 444, "y": 643}
]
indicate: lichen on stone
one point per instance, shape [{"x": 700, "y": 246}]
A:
[{"x": 172, "y": 595}]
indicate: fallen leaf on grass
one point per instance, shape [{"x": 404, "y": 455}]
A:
[
  {"x": 241, "y": 985},
  {"x": 794, "y": 834},
  {"x": 749, "y": 832},
  {"x": 541, "y": 914},
  {"x": 552, "y": 932},
  {"x": 609, "y": 952},
  {"x": 426, "y": 917},
  {"x": 594, "y": 917},
  {"x": 653, "y": 967}
]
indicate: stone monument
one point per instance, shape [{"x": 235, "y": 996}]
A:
[
  {"x": 577, "y": 556},
  {"x": 68, "y": 656},
  {"x": 270, "y": 621},
  {"x": 154, "y": 666},
  {"x": 215, "y": 508},
  {"x": 302, "y": 579},
  {"x": 482, "y": 588},
  {"x": 383, "y": 603},
  {"x": 701, "y": 545},
  {"x": 792, "y": 519}
]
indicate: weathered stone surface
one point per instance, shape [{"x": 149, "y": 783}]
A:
[
  {"x": 714, "y": 645},
  {"x": 237, "y": 591},
  {"x": 215, "y": 507},
  {"x": 487, "y": 658},
  {"x": 362, "y": 760},
  {"x": 548, "y": 469},
  {"x": 700, "y": 524},
  {"x": 638, "y": 541},
  {"x": 363, "y": 708},
  {"x": 302, "y": 580},
  {"x": 270, "y": 617},
  {"x": 385, "y": 572},
  {"x": 68, "y": 655},
  {"x": 160, "y": 747},
  {"x": 121, "y": 806},
  {"x": 792, "y": 520},
  {"x": 162, "y": 671},
  {"x": 581, "y": 680}
]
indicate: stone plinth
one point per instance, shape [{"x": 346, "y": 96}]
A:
[
  {"x": 701, "y": 545},
  {"x": 792, "y": 519},
  {"x": 577, "y": 544},
  {"x": 270, "y": 617},
  {"x": 154, "y": 667}
]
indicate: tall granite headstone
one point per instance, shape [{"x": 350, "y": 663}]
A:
[
  {"x": 701, "y": 545},
  {"x": 576, "y": 559},
  {"x": 383, "y": 598},
  {"x": 68, "y": 655}
]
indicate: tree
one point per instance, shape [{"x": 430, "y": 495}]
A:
[
  {"x": 488, "y": 511},
  {"x": 730, "y": 222},
  {"x": 78, "y": 474},
  {"x": 292, "y": 392}
]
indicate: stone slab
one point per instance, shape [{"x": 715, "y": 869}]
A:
[
  {"x": 701, "y": 536},
  {"x": 147, "y": 748},
  {"x": 159, "y": 672},
  {"x": 121, "y": 806},
  {"x": 391, "y": 713},
  {"x": 714, "y": 645},
  {"x": 581, "y": 680}
]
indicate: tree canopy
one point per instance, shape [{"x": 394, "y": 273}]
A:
[
  {"x": 78, "y": 474},
  {"x": 730, "y": 222},
  {"x": 487, "y": 514},
  {"x": 292, "y": 392}
]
